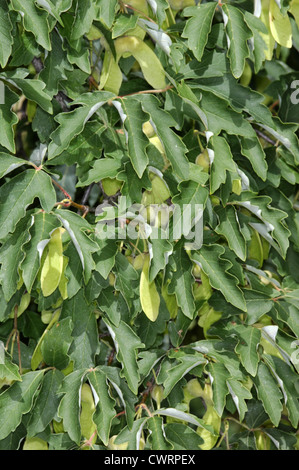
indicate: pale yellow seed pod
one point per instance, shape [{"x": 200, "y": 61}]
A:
[
  {"x": 88, "y": 427},
  {"x": 150, "y": 64},
  {"x": 149, "y": 296},
  {"x": 52, "y": 268}
]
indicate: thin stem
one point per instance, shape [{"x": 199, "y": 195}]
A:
[{"x": 61, "y": 189}]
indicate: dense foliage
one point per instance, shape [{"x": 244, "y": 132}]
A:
[{"x": 138, "y": 341}]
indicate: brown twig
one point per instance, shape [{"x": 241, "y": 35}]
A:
[
  {"x": 62, "y": 189},
  {"x": 273, "y": 105}
]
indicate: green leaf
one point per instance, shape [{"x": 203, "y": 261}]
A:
[
  {"x": 56, "y": 344},
  {"x": 216, "y": 267},
  {"x": 126, "y": 277},
  {"x": 249, "y": 339},
  {"x": 123, "y": 24},
  {"x": 182, "y": 437},
  {"x": 108, "y": 303},
  {"x": 105, "y": 257},
  {"x": 34, "y": 20},
  {"x": 174, "y": 148},
  {"x": 239, "y": 394},
  {"x": 105, "y": 411},
  {"x": 222, "y": 162},
  {"x": 127, "y": 398},
  {"x": 238, "y": 34},
  {"x": 158, "y": 8},
  {"x": 157, "y": 434},
  {"x": 288, "y": 381},
  {"x": 69, "y": 407},
  {"x": 217, "y": 116},
  {"x": 126, "y": 343},
  {"x": 181, "y": 283},
  {"x": 9, "y": 370},
  {"x": 198, "y": 28},
  {"x": 8, "y": 120},
  {"x": 220, "y": 374},
  {"x": 72, "y": 123},
  {"x": 107, "y": 11},
  {"x": 9, "y": 163},
  {"x": 55, "y": 66},
  {"x": 12, "y": 408},
  {"x": 37, "y": 356},
  {"x": 257, "y": 27},
  {"x": 84, "y": 334},
  {"x": 269, "y": 393},
  {"x": 32, "y": 89},
  {"x": 176, "y": 373},
  {"x": 11, "y": 256},
  {"x": 133, "y": 187},
  {"x": 258, "y": 304},
  {"x": 161, "y": 247},
  {"x": 6, "y": 40},
  {"x": 84, "y": 16},
  {"x": 272, "y": 219},
  {"x": 19, "y": 192},
  {"x": 252, "y": 149},
  {"x": 281, "y": 439},
  {"x": 56, "y": 9},
  {"x": 102, "y": 168},
  {"x": 229, "y": 227},
  {"x": 76, "y": 227},
  {"x": 132, "y": 436},
  {"x": 182, "y": 416},
  {"x": 46, "y": 404},
  {"x": 239, "y": 97},
  {"x": 133, "y": 117}
]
